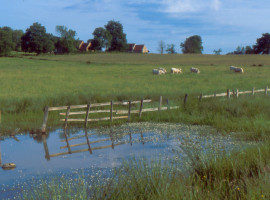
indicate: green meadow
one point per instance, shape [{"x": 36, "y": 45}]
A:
[{"x": 28, "y": 83}]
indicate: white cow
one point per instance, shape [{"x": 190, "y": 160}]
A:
[
  {"x": 194, "y": 70},
  {"x": 176, "y": 70},
  {"x": 237, "y": 69},
  {"x": 163, "y": 69},
  {"x": 232, "y": 68},
  {"x": 158, "y": 72}
]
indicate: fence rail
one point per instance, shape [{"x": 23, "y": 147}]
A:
[{"x": 114, "y": 112}]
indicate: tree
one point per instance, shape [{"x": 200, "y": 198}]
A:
[
  {"x": 161, "y": 46},
  {"x": 249, "y": 50},
  {"x": 16, "y": 38},
  {"x": 37, "y": 40},
  {"x": 239, "y": 50},
  {"x": 171, "y": 49},
  {"x": 102, "y": 39},
  {"x": 192, "y": 44},
  {"x": 67, "y": 42},
  {"x": 263, "y": 44},
  {"x": 217, "y": 52},
  {"x": 118, "y": 41},
  {"x": 6, "y": 43}
]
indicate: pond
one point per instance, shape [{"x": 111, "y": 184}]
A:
[{"x": 101, "y": 150}]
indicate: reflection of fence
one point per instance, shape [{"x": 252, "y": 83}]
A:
[
  {"x": 120, "y": 112},
  {"x": 88, "y": 143}
]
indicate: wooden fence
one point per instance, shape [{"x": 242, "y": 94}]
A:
[{"x": 115, "y": 114}]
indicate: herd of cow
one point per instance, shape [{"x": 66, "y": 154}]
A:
[{"x": 160, "y": 70}]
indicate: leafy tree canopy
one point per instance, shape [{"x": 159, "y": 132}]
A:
[
  {"x": 192, "y": 44},
  {"x": 66, "y": 33},
  {"x": 263, "y": 44},
  {"x": 102, "y": 39},
  {"x": 171, "y": 49},
  {"x": 37, "y": 40},
  {"x": 67, "y": 42},
  {"x": 118, "y": 41},
  {"x": 217, "y": 52},
  {"x": 6, "y": 43}
]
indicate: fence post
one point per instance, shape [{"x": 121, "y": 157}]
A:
[
  {"x": 0, "y": 116},
  {"x": 266, "y": 89},
  {"x": 67, "y": 114},
  {"x": 87, "y": 112},
  {"x": 215, "y": 94},
  {"x": 141, "y": 107},
  {"x": 200, "y": 98},
  {"x": 45, "y": 119},
  {"x": 253, "y": 90},
  {"x": 185, "y": 99},
  {"x": 129, "y": 109},
  {"x": 160, "y": 103},
  {"x": 111, "y": 116},
  {"x": 228, "y": 93},
  {"x": 168, "y": 104},
  {"x": 237, "y": 94}
]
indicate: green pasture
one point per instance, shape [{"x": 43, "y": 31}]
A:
[{"x": 28, "y": 83}]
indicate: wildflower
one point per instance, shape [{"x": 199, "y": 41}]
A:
[
  {"x": 238, "y": 189},
  {"x": 262, "y": 196}
]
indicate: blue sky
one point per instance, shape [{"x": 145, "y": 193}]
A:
[{"x": 223, "y": 24}]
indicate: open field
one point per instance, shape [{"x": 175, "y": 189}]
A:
[{"x": 28, "y": 83}]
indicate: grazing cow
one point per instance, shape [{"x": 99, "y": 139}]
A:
[
  {"x": 176, "y": 70},
  {"x": 158, "y": 72},
  {"x": 232, "y": 68},
  {"x": 240, "y": 70},
  {"x": 163, "y": 69},
  {"x": 237, "y": 69},
  {"x": 194, "y": 70}
]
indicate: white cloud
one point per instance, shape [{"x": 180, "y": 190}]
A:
[
  {"x": 180, "y": 6},
  {"x": 188, "y": 6},
  {"x": 216, "y": 4}
]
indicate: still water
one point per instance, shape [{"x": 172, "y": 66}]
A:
[{"x": 91, "y": 150}]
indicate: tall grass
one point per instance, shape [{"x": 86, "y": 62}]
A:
[{"x": 241, "y": 175}]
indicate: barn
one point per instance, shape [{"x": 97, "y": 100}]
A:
[{"x": 140, "y": 48}]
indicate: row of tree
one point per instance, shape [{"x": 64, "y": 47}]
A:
[
  {"x": 36, "y": 39},
  {"x": 262, "y": 46},
  {"x": 110, "y": 37},
  {"x": 192, "y": 44}
]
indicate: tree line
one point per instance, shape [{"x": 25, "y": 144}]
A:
[
  {"x": 262, "y": 46},
  {"x": 36, "y": 39},
  {"x": 110, "y": 37},
  {"x": 193, "y": 44}
]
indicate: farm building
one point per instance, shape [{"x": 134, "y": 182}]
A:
[
  {"x": 133, "y": 48},
  {"x": 84, "y": 46}
]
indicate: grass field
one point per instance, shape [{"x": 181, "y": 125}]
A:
[{"x": 28, "y": 83}]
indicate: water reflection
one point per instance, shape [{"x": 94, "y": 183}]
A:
[
  {"x": 112, "y": 137},
  {"x": 64, "y": 151}
]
